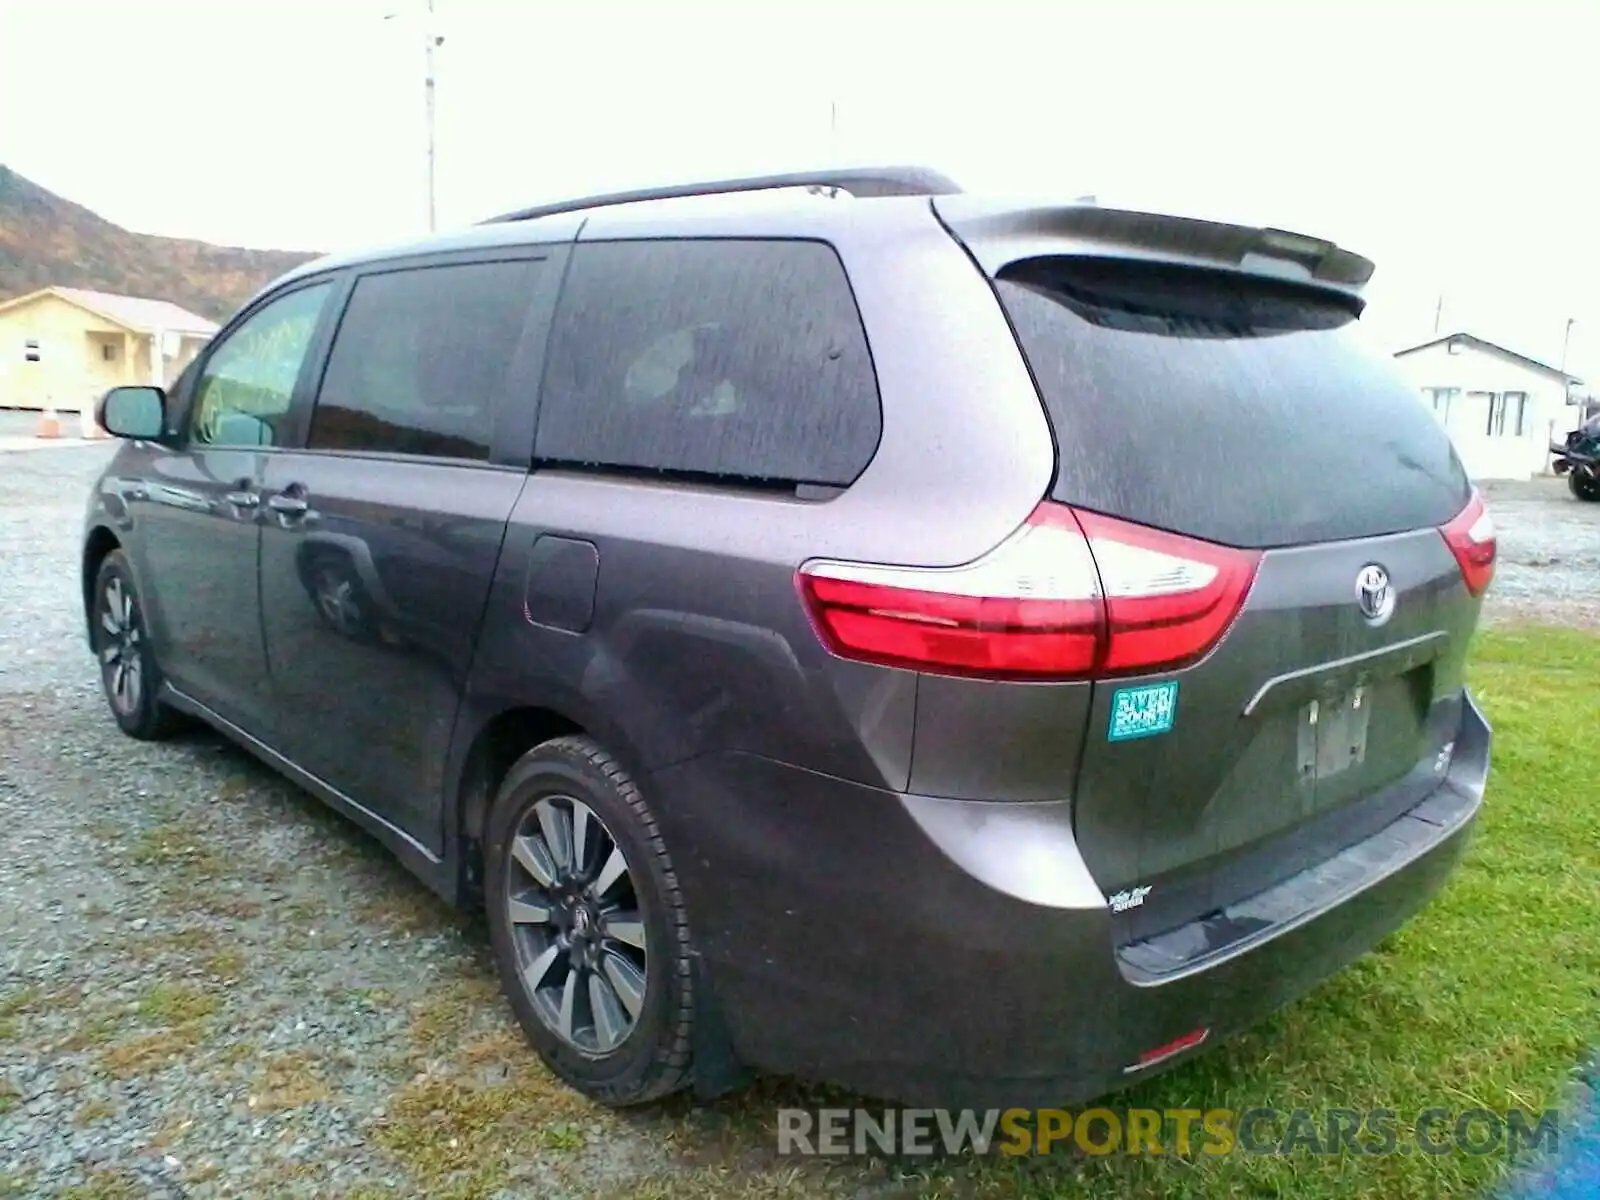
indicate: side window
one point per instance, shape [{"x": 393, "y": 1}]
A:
[
  {"x": 245, "y": 387},
  {"x": 739, "y": 359},
  {"x": 420, "y": 360}
]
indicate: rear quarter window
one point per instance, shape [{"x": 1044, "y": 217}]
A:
[
  {"x": 729, "y": 359},
  {"x": 1239, "y": 411}
]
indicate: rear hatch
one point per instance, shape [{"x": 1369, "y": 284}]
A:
[{"x": 1219, "y": 417}]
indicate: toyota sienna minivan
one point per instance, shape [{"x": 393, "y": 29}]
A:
[{"x": 968, "y": 651}]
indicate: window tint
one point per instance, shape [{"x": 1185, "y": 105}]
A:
[
  {"x": 1239, "y": 411},
  {"x": 737, "y": 359},
  {"x": 420, "y": 359},
  {"x": 244, "y": 390}
]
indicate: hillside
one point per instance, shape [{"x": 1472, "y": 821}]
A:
[{"x": 45, "y": 239}]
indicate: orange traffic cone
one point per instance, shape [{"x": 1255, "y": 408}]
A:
[{"x": 49, "y": 424}]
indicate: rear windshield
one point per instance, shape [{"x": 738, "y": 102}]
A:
[{"x": 1239, "y": 411}]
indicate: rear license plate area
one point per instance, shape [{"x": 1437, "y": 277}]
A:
[{"x": 1333, "y": 733}]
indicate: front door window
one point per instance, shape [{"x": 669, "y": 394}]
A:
[{"x": 245, "y": 389}]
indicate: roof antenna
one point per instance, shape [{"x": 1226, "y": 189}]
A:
[{"x": 823, "y": 190}]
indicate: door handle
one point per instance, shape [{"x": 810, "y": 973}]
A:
[
  {"x": 288, "y": 506},
  {"x": 243, "y": 499}
]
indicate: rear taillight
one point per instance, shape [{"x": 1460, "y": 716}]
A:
[
  {"x": 1471, "y": 538},
  {"x": 1070, "y": 595},
  {"x": 1030, "y": 607},
  {"x": 1169, "y": 599}
]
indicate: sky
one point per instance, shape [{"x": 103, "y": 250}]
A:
[{"x": 1451, "y": 143}]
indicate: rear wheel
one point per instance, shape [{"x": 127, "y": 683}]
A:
[
  {"x": 1584, "y": 487},
  {"x": 588, "y": 926},
  {"x": 128, "y": 670}
]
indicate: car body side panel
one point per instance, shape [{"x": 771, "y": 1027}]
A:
[
  {"x": 371, "y": 605},
  {"x": 698, "y": 640},
  {"x": 679, "y": 667},
  {"x": 979, "y": 741},
  {"x": 373, "y": 600},
  {"x": 193, "y": 555}
]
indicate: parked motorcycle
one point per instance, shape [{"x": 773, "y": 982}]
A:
[{"x": 1578, "y": 458}]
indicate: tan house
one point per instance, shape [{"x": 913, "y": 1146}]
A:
[{"x": 62, "y": 347}]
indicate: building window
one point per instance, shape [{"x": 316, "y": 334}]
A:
[
  {"x": 1493, "y": 408},
  {"x": 108, "y": 352},
  {"x": 1507, "y": 413},
  {"x": 1517, "y": 405},
  {"x": 1439, "y": 399}
]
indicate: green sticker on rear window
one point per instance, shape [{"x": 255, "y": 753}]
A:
[{"x": 1138, "y": 712}]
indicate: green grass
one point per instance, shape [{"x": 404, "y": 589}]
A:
[{"x": 175, "y": 1003}]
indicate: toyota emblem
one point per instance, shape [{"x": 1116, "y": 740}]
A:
[{"x": 1374, "y": 594}]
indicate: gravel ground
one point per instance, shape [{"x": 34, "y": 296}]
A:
[
  {"x": 1549, "y": 568},
  {"x": 212, "y": 986}
]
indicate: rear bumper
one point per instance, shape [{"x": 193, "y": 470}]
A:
[{"x": 958, "y": 953}]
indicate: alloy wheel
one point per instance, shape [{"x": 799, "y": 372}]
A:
[
  {"x": 573, "y": 912},
  {"x": 121, "y": 651}
]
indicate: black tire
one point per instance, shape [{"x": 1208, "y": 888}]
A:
[
  {"x": 129, "y": 674},
  {"x": 1584, "y": 487},
  {"x": 652, "y": 1058}
]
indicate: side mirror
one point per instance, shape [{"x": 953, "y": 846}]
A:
[{"x": 134, "y": 412}]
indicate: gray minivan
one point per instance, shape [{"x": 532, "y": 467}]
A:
[{"x": 969, "y": 651}]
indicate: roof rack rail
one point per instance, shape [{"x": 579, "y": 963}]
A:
[{"x": 858, "y": 181}]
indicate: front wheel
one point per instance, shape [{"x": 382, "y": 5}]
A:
[
  {"x": 588, "y": 926},
  {"x": 128, "y": 670},
  {"x": 1584, "y": 487}
]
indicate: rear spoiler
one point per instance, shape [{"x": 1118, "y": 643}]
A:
[{"x": 996, "y": 234}]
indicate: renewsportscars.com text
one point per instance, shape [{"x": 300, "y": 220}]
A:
[{"x": 1180, "y": 1132}]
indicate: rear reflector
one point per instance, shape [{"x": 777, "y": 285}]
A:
[
  {"x": 1070, "y": 595},
  {"x": 1471, "y": 538},
  {"x": 1161, "y": 1053}
]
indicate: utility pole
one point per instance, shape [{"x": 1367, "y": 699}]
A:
[
  {"x": 1566, "y": 340},
  {"x": 1438, "y": 313},
  {"x": 430, "y": 41}
]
